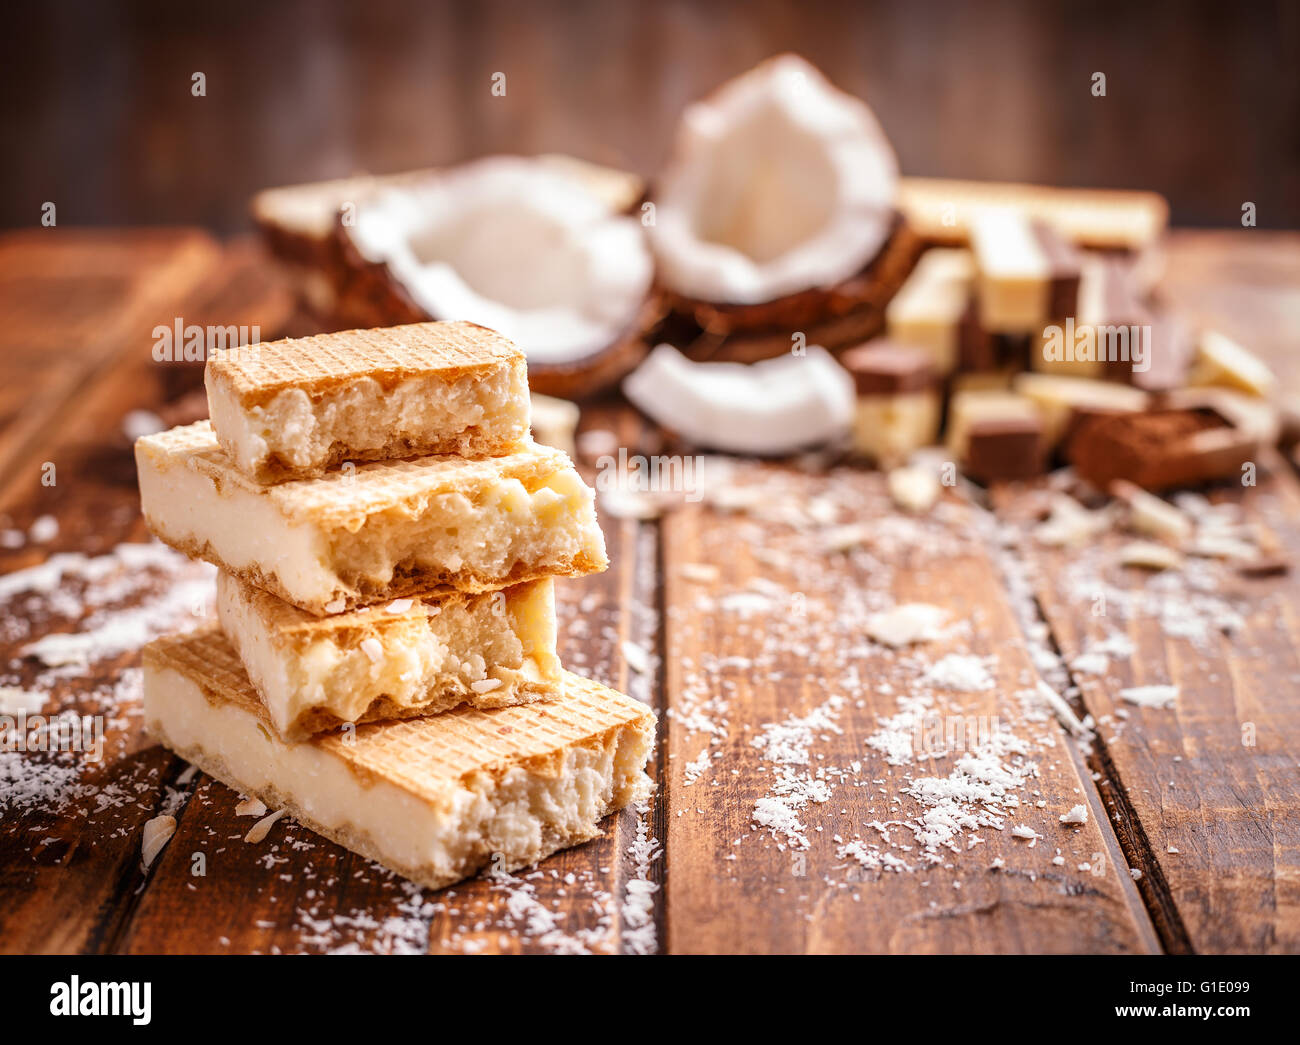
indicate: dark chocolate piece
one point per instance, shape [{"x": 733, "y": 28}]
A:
[
  {"x": 1063, "y": 262},
  {"x": 883, "y": 367},
  {"x": 1005, "y": 449},
  {"x": 1266, "y": 566},
  {"x": 976, "y": 348},
  {"x": 1171, "y": 346}
]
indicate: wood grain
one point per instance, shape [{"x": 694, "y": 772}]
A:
[
  {"x": 71, "y": 877},
  {"x": 780, "y": 633},
  {"x": 1212, "y": 782},
  {"x": 774, "y": 635},
  {"x": 73, "y": 305}
]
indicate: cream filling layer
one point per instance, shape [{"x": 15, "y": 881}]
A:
[
  {"x": 425, "y": 655},
  {"x": 487, "y": 537},
  {"x": 520, "y": 815}
]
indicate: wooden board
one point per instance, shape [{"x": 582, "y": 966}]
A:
[
  {"x": 783, "y": 631},
  {"x": 71, "y": 878},
  {"x": 730, "y": 660},
  {"x": 1210, "y": 787}
]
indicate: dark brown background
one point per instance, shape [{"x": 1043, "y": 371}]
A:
[{"x": 1203, "y": 99}]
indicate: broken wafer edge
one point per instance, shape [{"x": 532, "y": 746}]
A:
[
  {"x": 294, "y": 408},
  {"x": 434, "y": 799},
  {"x": 392, "y": 660},
  {"x": 383, "y": 530}
]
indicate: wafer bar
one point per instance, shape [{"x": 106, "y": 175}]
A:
[
  {"x": 1027, "y": 274},
  {"x": 941, "y": 210},
  {"x": 378, "y": 531},
  {"x": 292, "y": 409},
  {"x": 972, "y": 406},
  {"x": 932, "y": 308},
  {"x": 434, "y": 799},
  {"x": 898, "y": 403},
  {"x": 1108, "y": 335},
  {"x": 392, "y": 660}
]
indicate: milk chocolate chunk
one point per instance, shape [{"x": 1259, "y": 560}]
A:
[
  {"x": 1170, "y": 346},
  {"x": 884, "y": 367},
  {"x": 1004, "y": 449},
  {"x": 977, "y": 348}
]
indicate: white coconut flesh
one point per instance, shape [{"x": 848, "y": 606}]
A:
[
  {"x": 779, "y": 183},
  {"x": 776, "y": 406},
  {"x": 513, "y": 245}
]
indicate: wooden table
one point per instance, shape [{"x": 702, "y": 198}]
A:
[{"x": 757, "y": 663}]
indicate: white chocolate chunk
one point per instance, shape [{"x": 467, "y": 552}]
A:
[{"x": 1221, "y": 361}]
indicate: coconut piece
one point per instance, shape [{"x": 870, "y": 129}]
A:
[
  {"x": 1221, "y": 546},
  {"x": 1158, "y": 696},
  {"x": 157, "y": 833},
  {"x": 1070, "y": 524},
  {"x": 1152, "y": 515},
  {"x": 518, "y": 245},
  {"x": 774, "y": 407},
  {"x": 262, "y": 828},
  {"x": 779, "y": 184},
  {"x": 904, "y": 625},
  {"x": 1150, "y": 555},
  {"x": 1064, "y": 713},
  {"x": 914, "y": 489}
]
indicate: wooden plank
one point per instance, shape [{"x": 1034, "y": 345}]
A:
[
  {"x": 1209, "y": 785},
  {"x": 71, "y": 304},
  {"x": 779, "y": 636},
  {"x": 69, "y": 869}
]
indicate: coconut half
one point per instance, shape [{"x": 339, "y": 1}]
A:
[
  {"x": 779, "y": 184},
  {"x": 523, "y": 246}
]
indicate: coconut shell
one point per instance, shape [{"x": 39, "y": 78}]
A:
[{"x": 848, "y": 313}]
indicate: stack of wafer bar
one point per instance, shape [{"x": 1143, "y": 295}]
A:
[
  {"x": 384, "y": 669},
  {"x": 1026, "y": 320}
]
